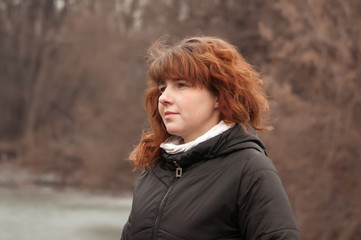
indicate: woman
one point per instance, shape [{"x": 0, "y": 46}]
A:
[{"x": 206, "y": 173}]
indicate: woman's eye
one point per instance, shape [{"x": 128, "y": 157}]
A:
[
  {"x": 181, "y": 85},
  {"x": 161, "y": 88}
]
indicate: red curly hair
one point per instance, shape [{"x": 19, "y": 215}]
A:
[{"x": 205, "y": 62}]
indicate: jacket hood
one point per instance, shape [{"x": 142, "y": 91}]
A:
[{"x": 232, "y": 140}]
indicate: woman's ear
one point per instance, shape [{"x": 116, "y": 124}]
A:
[
  {"x": 215, "y": 93},
  {"x": 216, "y": 104}
]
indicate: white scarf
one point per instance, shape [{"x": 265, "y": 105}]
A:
[{"x": 173, "y": 144}]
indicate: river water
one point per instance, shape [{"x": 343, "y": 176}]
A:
[{"x": 43, "y": 214}]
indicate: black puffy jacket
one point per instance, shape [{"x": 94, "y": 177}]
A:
[{"x": 228, "y": 189}]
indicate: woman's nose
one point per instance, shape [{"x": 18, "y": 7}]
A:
[{"x": 165, "y": 98}]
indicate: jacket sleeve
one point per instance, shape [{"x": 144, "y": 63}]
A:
[
  {"x": 126, "y": 231},
  {"x": 264, "y": 209}
]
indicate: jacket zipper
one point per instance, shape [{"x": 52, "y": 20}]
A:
[
  {"x": 178, "y": 170},
  {"x": 178, "y": 174},
  {"x": 160, "y": 210}
]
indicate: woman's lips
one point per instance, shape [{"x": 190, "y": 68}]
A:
[{"x": 169, "y": 114}]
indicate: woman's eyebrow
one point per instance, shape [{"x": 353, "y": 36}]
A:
[
  {"x": 174, "y": 79},
  {"x": 161, "y": 82},
  {"x": 179, "y": 79}
]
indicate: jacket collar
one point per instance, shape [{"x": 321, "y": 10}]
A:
[{"x": 232, "y": 140}]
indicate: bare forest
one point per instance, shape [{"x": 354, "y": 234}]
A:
[{"x": 73, "y": 72}]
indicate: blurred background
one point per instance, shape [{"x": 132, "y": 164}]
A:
[{"x": 72, "y": 76}]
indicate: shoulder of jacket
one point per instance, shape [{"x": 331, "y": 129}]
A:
[{"x": 257, "y": 162}]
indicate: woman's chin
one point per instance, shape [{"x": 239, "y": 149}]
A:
[{"x": 173, "y": 130}]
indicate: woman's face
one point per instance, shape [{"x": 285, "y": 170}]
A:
[{"x": 187, "y": 111}]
